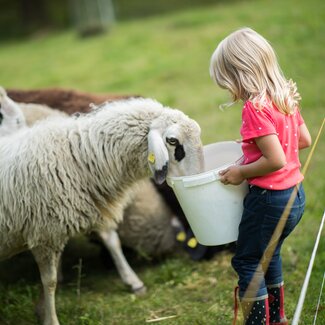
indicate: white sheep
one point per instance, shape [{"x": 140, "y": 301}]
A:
[
  {"x": 148, "y": 225},
  {"x": 35, "y": 112},
  {"x": 57, "y": 178}
]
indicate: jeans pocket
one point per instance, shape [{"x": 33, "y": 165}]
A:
[
  {"x": 273, "y": 227},
  {"x": 293, "y": 219},
  {"x": 268, "y": 230}
]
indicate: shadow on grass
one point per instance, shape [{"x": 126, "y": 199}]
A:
[{"x": 95, "y": 260}]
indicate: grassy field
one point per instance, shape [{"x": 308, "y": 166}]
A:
[{"x": 167, "y": 58}]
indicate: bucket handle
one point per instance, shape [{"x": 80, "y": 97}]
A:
[
  {"x": 206, "y": 177},
  {"x": 201, "y": 180}
]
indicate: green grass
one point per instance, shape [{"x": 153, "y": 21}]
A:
[{"x": 167, "y": 58}]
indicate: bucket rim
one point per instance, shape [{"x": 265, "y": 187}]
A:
[
  {"x": 214, "y": 170},
  {"x": 207, "y": 172}
]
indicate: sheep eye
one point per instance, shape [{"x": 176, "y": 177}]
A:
[{"x": 172, "y": 141}]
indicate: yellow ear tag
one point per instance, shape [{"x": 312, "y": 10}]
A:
[
  {"x": 181, "y": 236},
  {"x": 151, "y": 158},
  {"x": 192, "y": 243}
]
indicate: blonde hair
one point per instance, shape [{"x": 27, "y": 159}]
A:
[{"x": 246, "y": 64}]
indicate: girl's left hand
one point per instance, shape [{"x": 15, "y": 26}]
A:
[{"x": 231, "y": 175}]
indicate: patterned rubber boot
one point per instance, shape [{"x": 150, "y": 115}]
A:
[
  {"x": 276, "y": 305},
  {"x": 255, "y": 312}
]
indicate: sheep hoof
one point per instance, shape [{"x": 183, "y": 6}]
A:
[{"x": 140, "y": 291}]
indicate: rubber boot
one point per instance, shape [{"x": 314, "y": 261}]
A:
[
  {"x": 254, "y": 311},
  {"x": 276, "y": 305}
]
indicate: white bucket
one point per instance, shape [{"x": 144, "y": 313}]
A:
[{"x": 212, "y": 209}]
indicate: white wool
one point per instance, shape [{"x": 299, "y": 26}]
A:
[
  {"x": 147, "y": 220},
  {"x": 36, "y": 112},
  {"x": 63, "y": 175}
]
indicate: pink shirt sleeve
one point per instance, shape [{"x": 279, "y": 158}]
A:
[
  {"x": 255, "y": 122},
  {"x": 299, "y": 118}
]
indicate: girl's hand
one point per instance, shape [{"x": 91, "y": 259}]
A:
[{"x": 231, "y": 175}]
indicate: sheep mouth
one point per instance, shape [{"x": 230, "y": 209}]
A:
[{"x": 161, "y": 174}]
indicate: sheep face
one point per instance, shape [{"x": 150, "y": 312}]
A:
[
  {"x": 11, "y": 117},
  {"x": 175, "y": 150}
]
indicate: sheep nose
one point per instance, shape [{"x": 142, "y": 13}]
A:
[{"x": 161, "y": 174}]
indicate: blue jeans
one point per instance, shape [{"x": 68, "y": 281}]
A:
[{"x": 262, "y": 212}]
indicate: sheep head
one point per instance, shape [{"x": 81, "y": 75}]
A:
[
  {"x": 11, "y": 116},
  {"x": 174, "y": 146}
]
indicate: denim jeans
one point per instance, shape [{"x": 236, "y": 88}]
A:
[{"x": 262, "y": 212}]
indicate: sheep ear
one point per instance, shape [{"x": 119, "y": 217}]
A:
[
  {"x": 157, "y": 156},
  {"x": 2, "y": 92}
]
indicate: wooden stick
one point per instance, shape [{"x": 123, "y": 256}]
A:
[{"x": 160, "y": 319}]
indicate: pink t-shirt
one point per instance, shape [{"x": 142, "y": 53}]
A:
[{"x": 257, "y": 123}]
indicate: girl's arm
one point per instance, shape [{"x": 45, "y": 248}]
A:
[
  {"x": 304, "y": 138},
  {"x": 272, "y": 159}
]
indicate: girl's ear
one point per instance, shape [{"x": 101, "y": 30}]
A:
[{"x": 157, "y": 156}]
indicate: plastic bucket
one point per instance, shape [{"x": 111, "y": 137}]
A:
[{"x": 212, "y": 209}]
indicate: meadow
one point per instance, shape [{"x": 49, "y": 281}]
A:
[{"x": 167, "y": 57}]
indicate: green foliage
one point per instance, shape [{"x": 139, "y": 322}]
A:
[
  {"x": 167, "y": 58},
  {"x": 32, "y": 17},
  {"x": 21, "y": 18}
]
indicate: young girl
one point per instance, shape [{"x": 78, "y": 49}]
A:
[{"x": 273, "y": 132}]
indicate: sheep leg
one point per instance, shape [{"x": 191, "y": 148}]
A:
[
  {"x": 112, "y": 242},
  {"x": 60, "y": 272},
  {"x": 47, "y": 261}
]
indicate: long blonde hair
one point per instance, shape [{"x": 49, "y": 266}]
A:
[{"x": 246, "y": 64}]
